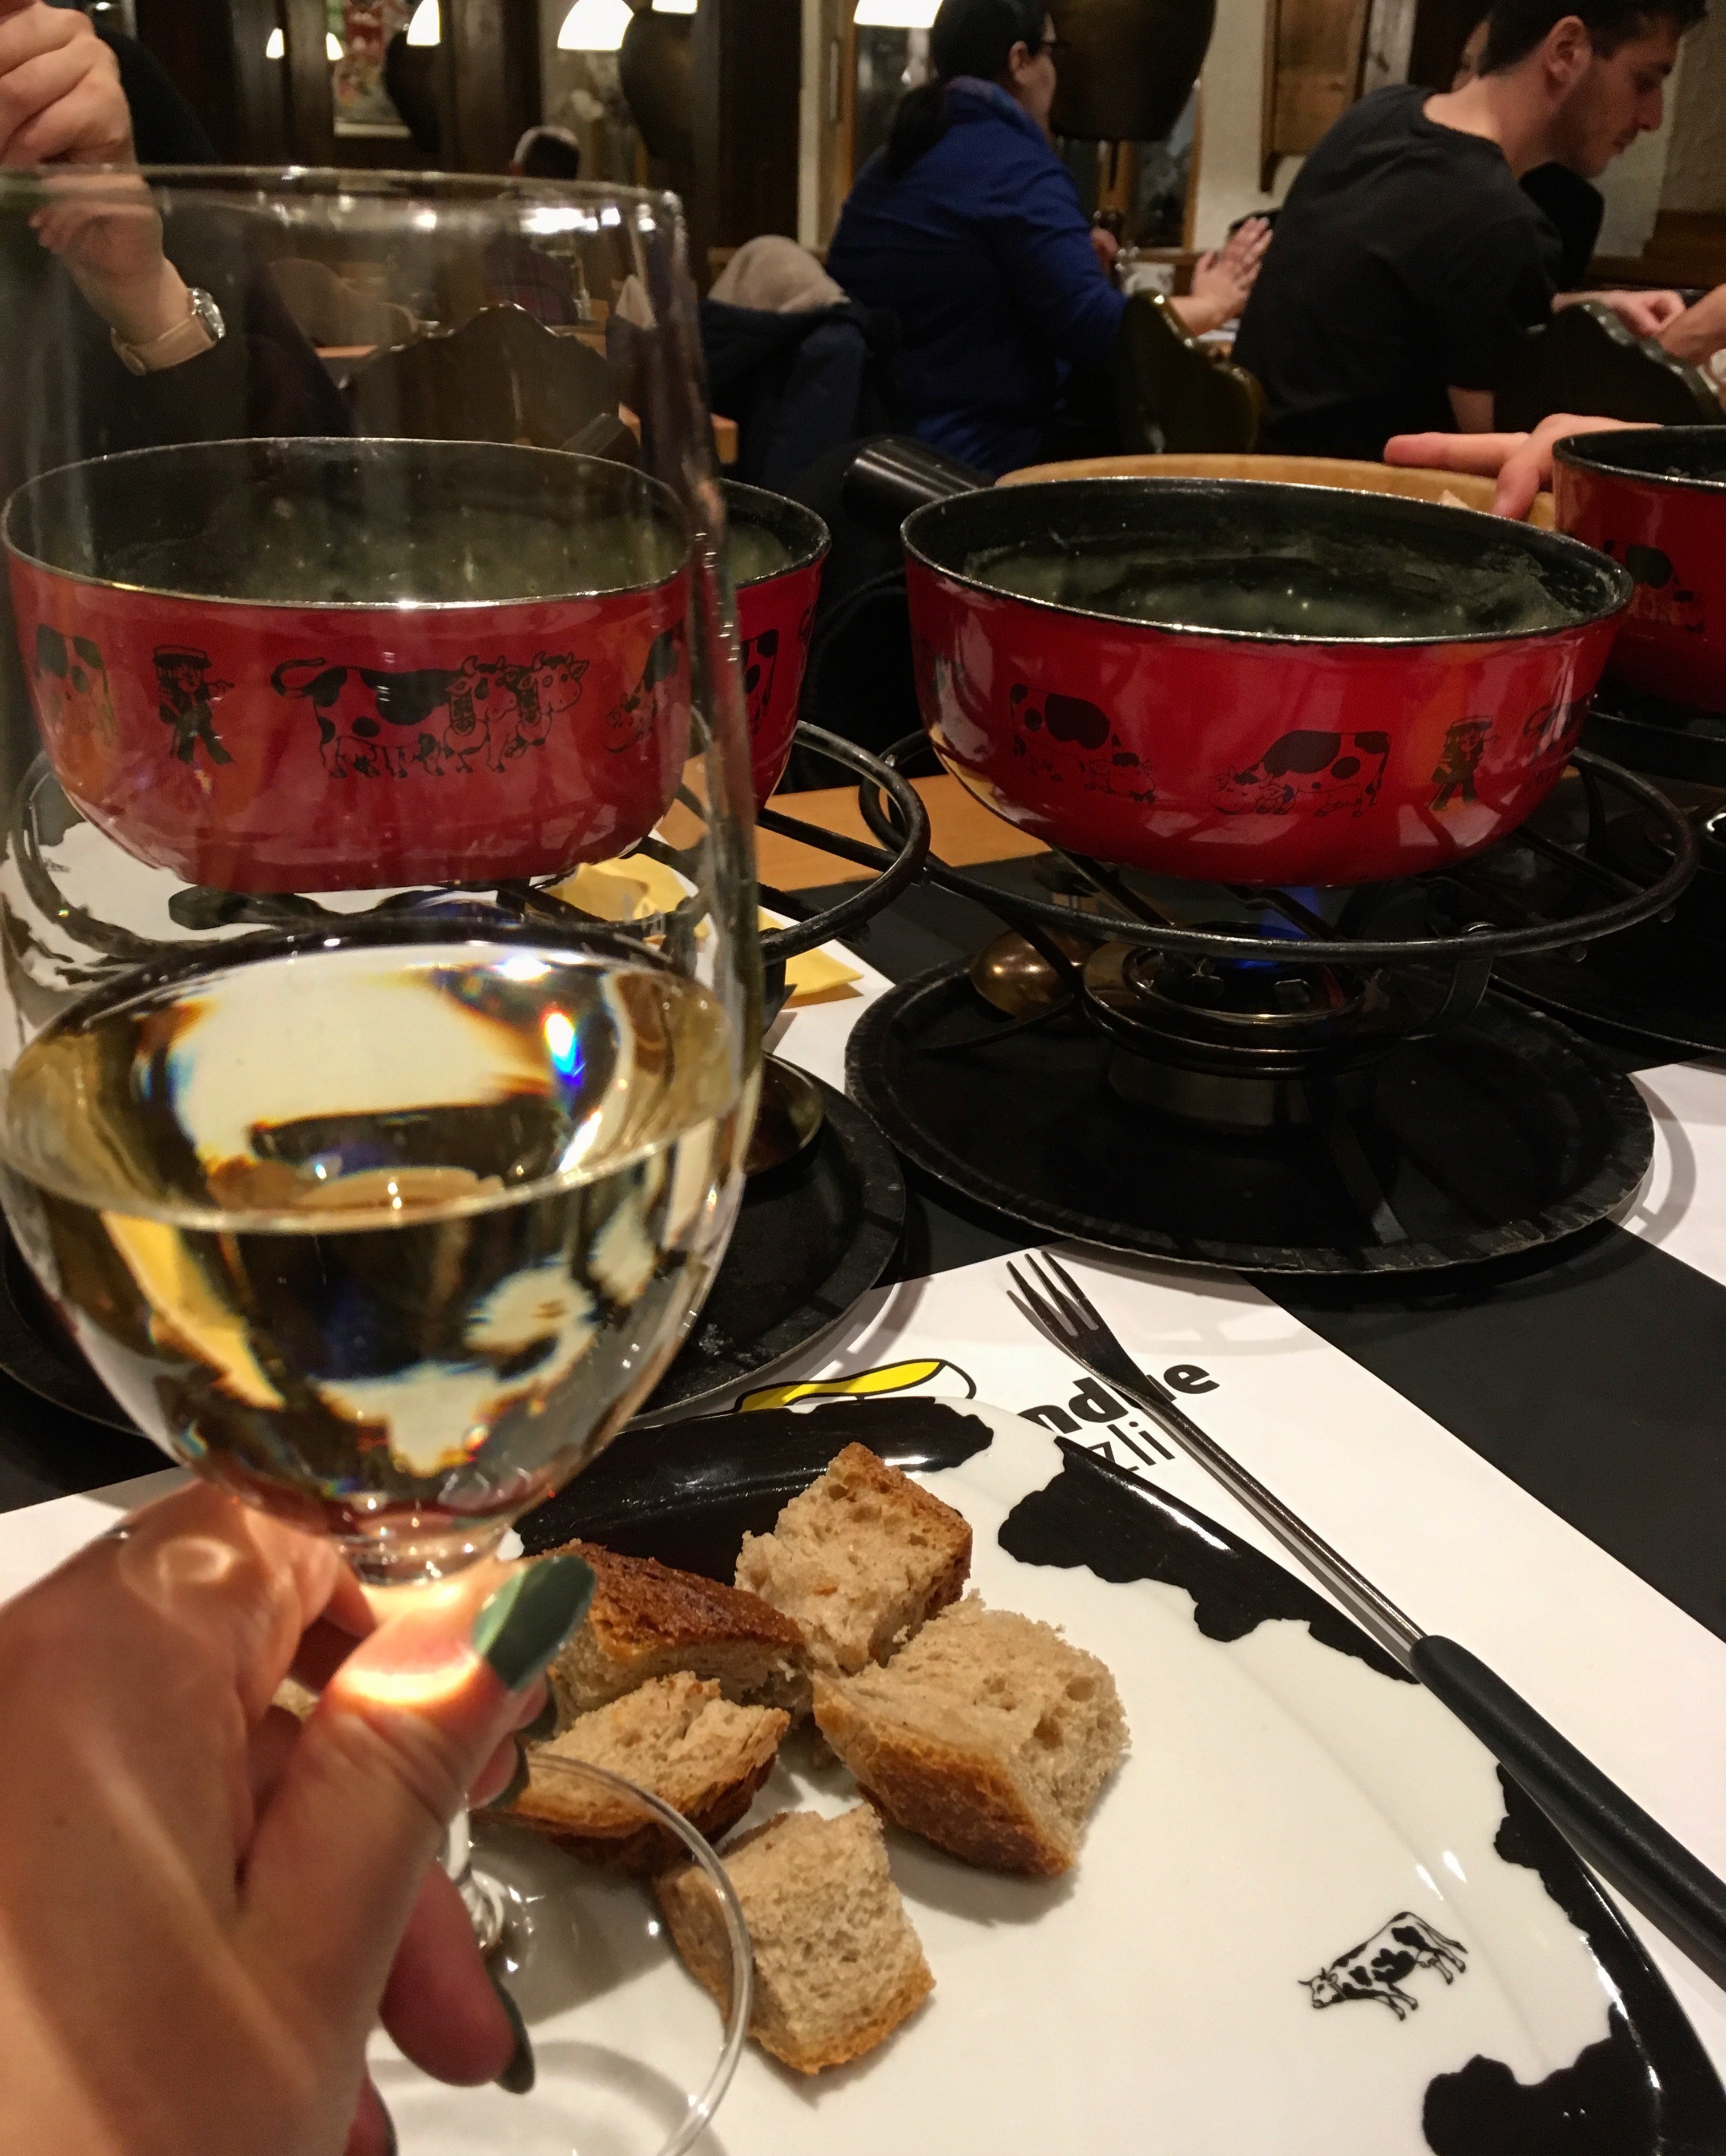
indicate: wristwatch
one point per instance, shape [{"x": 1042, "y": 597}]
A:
[{"x": 202, "y": 328}]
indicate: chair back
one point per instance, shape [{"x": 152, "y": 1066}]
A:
[
  {"x": 1585, "y": 360},
  {"x": 1171, "y": 393},
  {"x": 501, "y": 377}
]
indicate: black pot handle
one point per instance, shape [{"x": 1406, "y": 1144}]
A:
[{"x": 896, "y": 474}]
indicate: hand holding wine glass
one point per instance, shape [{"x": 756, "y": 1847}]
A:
[{"x": 205, "y": 1908}]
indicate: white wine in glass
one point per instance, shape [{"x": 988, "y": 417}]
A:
[{"x": 388, "y": 1235}]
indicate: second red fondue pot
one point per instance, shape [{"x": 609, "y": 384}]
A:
[
  {"x": 304, "y": 665},
  {"x": 776, "y": 548},
  {"x": 1252, "y": 683},
  {"x": 1655, "y": 498}
]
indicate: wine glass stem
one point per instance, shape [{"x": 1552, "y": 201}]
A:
[{"x": 481, "y": 1896}]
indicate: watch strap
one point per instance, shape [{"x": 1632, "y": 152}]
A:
[{"x": 184, "y": 340}]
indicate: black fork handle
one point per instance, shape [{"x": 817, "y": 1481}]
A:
[{"x": 1678, "y": 1890}]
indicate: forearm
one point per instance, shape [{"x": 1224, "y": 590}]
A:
[
  {"x": 137, "y": 308},
  {"x": 1201, "y": 315}
]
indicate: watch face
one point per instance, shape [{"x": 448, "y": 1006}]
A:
[{"x": 208, "y": 313}]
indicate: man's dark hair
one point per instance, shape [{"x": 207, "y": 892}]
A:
[{"x": 1515, "y": 27}]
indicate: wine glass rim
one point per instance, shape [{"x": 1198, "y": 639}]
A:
[
  {"x": 736, "y": 2010},
  {"x": 448, "y": 929},
  {"x": 342, "y": 185}
]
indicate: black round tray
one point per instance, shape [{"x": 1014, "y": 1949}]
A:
[
  {"x": 811, "y": 1237},
  {"x": 1503, "y": 1132}
]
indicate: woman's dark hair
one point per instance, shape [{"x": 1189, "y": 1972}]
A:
[
  {"x": 969, "y": 37},
  {"x": 1516, "y": 27}
]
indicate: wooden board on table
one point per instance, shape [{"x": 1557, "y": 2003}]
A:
[{"x": 965, "y": 833}]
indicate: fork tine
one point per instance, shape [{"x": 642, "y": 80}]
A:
[
  {"x": 1082, "y": 1301},
  {"x": 1062, "y": 1292},
  {"x": 1041, "y": 1304}
]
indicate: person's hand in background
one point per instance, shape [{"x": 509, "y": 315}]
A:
[
  {"x": 61, "y": 105},
  {"x": 1522, "y": 464},
  {"x": 1105, "y": 247},
  {"x": 1223, "y": 278},
  {"x": 206, "y": 1906},
  {"x": 1643, "y": 314},
  {"x": 60, "y": 98},
  {"x": 1699, "y": 332}
]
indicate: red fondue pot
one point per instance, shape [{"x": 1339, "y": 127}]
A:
[
  {"x": 1429, "y": 708},
  {"x": 259, "y": 743},
  {"x": 1655, "y": 500},
  {"x": 776, "y": 612}
]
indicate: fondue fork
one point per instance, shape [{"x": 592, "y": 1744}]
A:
[{"x": 1654, "y": 1870}]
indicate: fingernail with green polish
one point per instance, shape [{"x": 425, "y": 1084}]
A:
[
  {"x": 518, "y": 2077},
  {"x": 523, "y": 1625}
]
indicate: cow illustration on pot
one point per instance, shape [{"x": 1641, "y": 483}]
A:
[
  {"x": 1660, "y": 596},
  {"x": 761, "y": 657},
  {"x": 1380, "y": 1967},
  {"x": 1327, "y": 774},
  {"x": 438, "y": 720},
  {"x": 641, "y": 713},
  {"x": 1069, "y": 738},
  {"x": 72, "y": 686}
]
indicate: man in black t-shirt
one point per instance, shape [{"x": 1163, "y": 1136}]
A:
[{"x": 1407, "y": 260}]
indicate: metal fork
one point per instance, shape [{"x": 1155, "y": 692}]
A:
[{"x": 1654, "y": 1869}]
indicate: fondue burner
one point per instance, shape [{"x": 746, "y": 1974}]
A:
[{"x": 1291, "y": 1083}]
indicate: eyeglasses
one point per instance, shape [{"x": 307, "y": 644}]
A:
[{"x": 1053, "y": 45}]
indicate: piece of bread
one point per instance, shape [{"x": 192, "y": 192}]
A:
[
  {"x": 989, "y": 1735},
  {"x": 677, "y": 1736},
  {"x": 859, "y": 1559},
  {"x": 647, "y": 1619},
  {"x": 837, "y": 1965}
]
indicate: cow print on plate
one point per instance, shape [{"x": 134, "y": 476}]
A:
[
  {"x": 1327, "y": 774},
  {"x": 1077, "y": 741},
  {"x": 1380, "y": 1967}
]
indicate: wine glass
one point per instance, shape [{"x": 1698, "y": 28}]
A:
[{"x": 374, "y": 1109}]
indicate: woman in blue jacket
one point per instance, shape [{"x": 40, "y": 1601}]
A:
[{"x": 968, "y": 227}]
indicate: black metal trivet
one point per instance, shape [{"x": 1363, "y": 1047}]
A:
[{"x": 1503, "y": 1132}]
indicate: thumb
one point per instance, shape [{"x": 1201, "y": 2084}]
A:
[{"x": 380, "y": 1769}]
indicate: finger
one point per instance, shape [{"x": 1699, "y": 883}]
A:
[
  {"x": 91, "y": 125},
  {"x": 268, "y": 1753},
  {"x": 371, "y": 2133},
  {"x": 26, "y": 31},
  {"x": 26, "y": 91},
  {"x": 1483, "y": 454},
  {"x": 439, "y": 2006},
  {"x": 504, "y": 1767},
  {"x": 1523, "y": 475},
  {"x": 404, "y": 1728}
]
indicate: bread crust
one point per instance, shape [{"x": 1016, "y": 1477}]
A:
[
  {"x": 956, "y": 1795},
  {"x": 649, "y": 1848},
  {"x": 647, "y": 1619}
]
